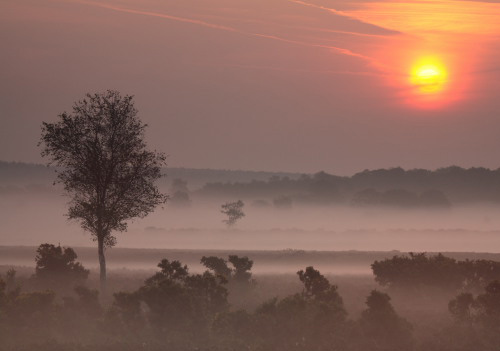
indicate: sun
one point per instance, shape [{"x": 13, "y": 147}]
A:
[{"x": 428, "y": 75}]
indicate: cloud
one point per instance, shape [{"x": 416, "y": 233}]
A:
[
  {"x": 375, "y": 30},
  {"x": 341, "y": 50}
]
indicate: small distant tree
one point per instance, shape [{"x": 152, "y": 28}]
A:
[
  {"x": 105, "y": 166},
  {"x": 233, "y": 211},
  {"x": 57, "y": 267}
]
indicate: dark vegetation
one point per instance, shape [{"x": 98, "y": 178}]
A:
[
  {"x": 233, "y": 211},
  {"x": 104, "y": 166},
  {"x": 20, "y": 177},
  {"x": 384, "y": 187},
  {"x": 420, "y": 270},
  {"x": 174, "y": 309},
  {"x": 394, "y": 187}
]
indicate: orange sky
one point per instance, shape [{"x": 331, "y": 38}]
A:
[
  {"x": 450, "y": 33},
  {"x": 265, "y": 84}
]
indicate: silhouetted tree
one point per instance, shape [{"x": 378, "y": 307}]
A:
[
  {"x": 317, "y": 287},
  {"x": 179, "y": 301},
  {"x": 56, "y": 267},
  {"x": 240, "y": 273},
  {"x": 105, "y": 167},
  {"x": 242, "y": 267},
  {"x": 382, "y": 326},
  {"x": 217, "y": 265},
  {"x": 311, "y": 320},
  {"x": 233, "y": 211}
]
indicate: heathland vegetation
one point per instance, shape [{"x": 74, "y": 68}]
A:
[
  {"x": 414, "y": 302},
  {"x": 224, "y": 308}
]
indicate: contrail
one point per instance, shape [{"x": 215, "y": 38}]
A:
[
  {"x": 226, "y": 28},
  {"x": 344, "y": 14},
  {"x": 320, "y": 7},
  {"x": 298, "y": 70},
  {"x": 155, "y": 14}
]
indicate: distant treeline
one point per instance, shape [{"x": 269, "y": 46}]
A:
[
  {"x": 24, "y": 174},
  {"x": 391, "y": 187},
  {"x": 383, "y": 187}
]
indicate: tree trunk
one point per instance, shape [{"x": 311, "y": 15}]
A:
[{"x": 102, "y": 264}]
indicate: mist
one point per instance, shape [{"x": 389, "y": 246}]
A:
[
  {"x": 261, "y": 175},
  {"x": 28, "y": 219}
]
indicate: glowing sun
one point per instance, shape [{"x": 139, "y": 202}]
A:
[{"x": 428, "y": 75}]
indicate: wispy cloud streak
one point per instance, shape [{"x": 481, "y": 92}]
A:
[{"x": 340, "y": 50}]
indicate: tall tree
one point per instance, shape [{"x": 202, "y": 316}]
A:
[{"x": 103, "y": 162}]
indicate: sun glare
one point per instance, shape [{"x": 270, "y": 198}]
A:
[{"x": 428, "y": 76}]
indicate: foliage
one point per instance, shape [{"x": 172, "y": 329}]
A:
[
  {"x": 176, "y": 310},
  {"x": 56, "y": 267},
  {"x": 179, "y": 301},
  {"x": 382, "y": 327},
  {"x": 400, "y": 198},
  {"x": 461, "y": 307},
  {"x": 218, "y": 266},
  {"x": 317, "y": 287},
  {"x": 233, "y": 211},
  {"x": 488, "y": 306},
  {"x": 311, "y": 320},
  {"x": 26, "y": 315},
  {"x": 418, "y": 270},
  {"x": 104, "y": 164},
  {"x": 240, "y": 273}
]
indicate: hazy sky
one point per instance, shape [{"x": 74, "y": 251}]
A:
[{"x": 265, "y": 84}]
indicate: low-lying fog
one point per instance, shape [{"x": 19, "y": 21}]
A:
[{"x": 40, "y": 218}]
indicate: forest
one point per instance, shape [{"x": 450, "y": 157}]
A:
[{"x": 394, "y": 187}]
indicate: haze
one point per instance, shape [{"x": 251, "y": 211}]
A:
[{"x": 262, "y": 85}]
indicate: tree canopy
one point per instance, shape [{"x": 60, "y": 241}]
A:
[{"x": 103, "y": 162}]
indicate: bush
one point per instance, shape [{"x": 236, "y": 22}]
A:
[{"x": 57, "y": 269}]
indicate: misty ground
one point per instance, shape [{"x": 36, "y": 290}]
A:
[
  {"x": 274, "y": 273},
  {"x": 339, "y": 239},
  {"x": 30, "y": 219}
]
